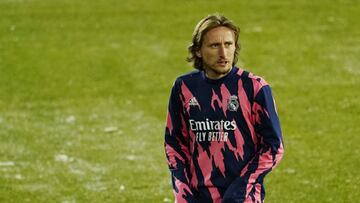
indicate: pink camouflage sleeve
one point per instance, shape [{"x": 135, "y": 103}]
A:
[
  {"x": 177, "y": 148},
  {"x": 270, "y": 147}
]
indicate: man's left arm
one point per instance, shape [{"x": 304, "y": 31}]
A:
[{"x": 267, "y": 127}]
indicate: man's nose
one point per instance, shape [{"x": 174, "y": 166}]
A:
[{"x": 222, "y": 50}]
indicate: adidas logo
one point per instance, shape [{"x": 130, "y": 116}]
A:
[{"x": 193, "y": 102}]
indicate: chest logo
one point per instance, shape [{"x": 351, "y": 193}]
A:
[
  {"x": 193, "y": 102},
  {"x": 233, "y": 103}
]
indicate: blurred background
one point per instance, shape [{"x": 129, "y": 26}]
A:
[{"x": 84, "y": 88}]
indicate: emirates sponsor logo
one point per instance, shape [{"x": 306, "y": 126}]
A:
[
  {"x": 208, "y": 130},
  {"x": 212, "y": 125}
]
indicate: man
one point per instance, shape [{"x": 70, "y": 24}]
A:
[{"x": 223, "y": 134}]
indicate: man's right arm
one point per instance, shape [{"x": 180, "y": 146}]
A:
[{"x": 176, "y": 148}]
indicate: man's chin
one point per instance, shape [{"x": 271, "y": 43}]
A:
[
  {"x": 223, "y": 70},
  {"x": 218, "y": 71}
]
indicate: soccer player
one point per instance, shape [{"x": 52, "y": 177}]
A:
[{"x": 223, "y": 133}]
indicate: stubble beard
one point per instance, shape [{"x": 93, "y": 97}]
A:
[{"x": 220, "y": 71}]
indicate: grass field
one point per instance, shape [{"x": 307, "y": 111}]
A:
[{"x": 84, "y": 87}]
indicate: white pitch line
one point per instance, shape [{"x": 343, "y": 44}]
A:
[{"x": 7, "y": 163}]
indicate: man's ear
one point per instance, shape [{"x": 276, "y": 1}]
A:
[{"x": 198, "y": 54}]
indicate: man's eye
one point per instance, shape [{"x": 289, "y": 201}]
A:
[{"x": 213, "y": 45}]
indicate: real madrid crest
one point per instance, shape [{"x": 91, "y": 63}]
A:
[{"x": 233, "y": 103}]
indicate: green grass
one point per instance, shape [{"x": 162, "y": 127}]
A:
[{"x": 71, "y": 69}]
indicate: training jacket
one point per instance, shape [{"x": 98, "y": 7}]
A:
[{"x": 221, "y": 138}]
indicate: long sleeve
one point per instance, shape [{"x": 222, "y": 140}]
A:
[
  {"x": 177, "y": 148},
  {"x": 248, "y": 187}
]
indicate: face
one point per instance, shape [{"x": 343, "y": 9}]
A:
[{"x": 217, "y": 52}]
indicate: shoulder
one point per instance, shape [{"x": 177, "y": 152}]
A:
[
  {"x": 257, "y": 82},
  {"x": 244, "y": 74},
  {"x": 188, "y": 77}
]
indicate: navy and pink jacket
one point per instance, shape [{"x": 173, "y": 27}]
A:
[{"x": 222, "y": 137}]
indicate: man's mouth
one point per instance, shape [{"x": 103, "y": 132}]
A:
[{"x": 222, "y": 62}]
